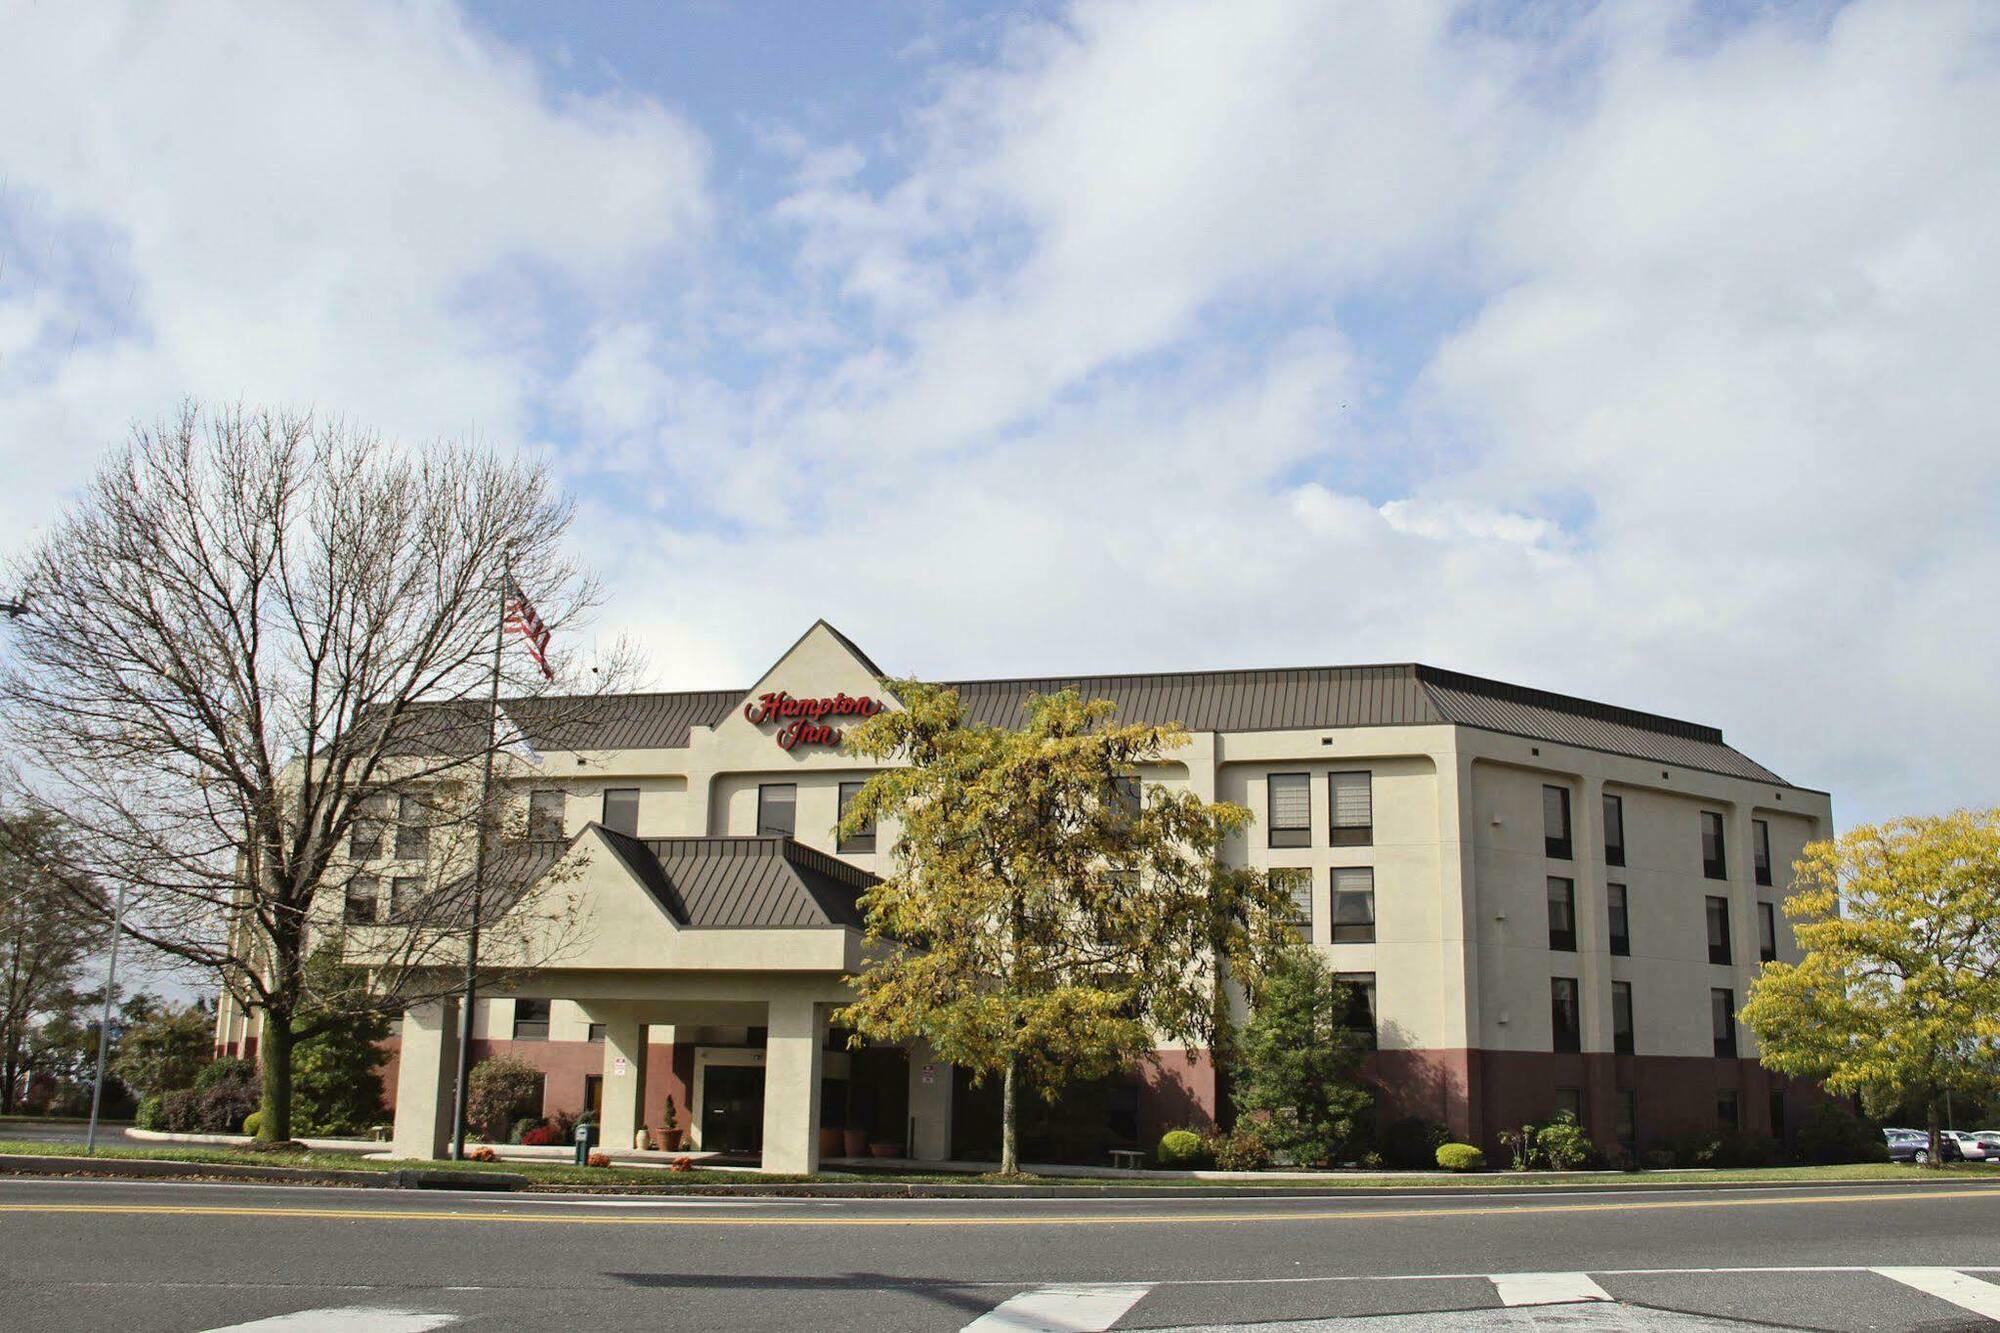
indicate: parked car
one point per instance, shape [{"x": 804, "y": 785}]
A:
[
  {"x": 1910, "y": 1146},
  {"x": 1989, "y": 1139},
  {"x": 1970, "y": 1145}
]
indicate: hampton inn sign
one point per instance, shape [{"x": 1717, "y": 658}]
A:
[{"x": 801, "y": 717}]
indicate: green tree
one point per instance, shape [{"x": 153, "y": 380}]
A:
[
  {"x": 1300, "y": 1064},
  {"x": 163, "y": 1052},
  {"x": 1046, "y": 919},
  {"x": 44, "y": 943},
  {"x": 336, "y": 1082},
  {"x": 1898, "y": 995}
]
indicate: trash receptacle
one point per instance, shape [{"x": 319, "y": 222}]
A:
[{"x": 586, "y": 1139}]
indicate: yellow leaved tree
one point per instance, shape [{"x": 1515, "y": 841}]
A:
[{"x": 1898, "y": 995}]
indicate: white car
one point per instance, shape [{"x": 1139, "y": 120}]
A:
[{"x": 1974, "y": 1148}]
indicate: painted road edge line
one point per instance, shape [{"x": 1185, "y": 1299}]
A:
[{"x": 1064, "y": 1308}]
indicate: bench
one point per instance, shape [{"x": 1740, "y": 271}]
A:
[{"x": 1127, "y": 1159}]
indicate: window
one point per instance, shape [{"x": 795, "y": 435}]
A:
[
  {"x": 1620, "y": 917},
  {"x": 1622, "y": 1040},
  {"x": 404, "y": 891},
  {"x": 596, "y": 1032},
  {"x": 1124, "y": 796},
  {"x": 1353, "y": 905},
  {"x": 1718, "y": 931},
  {"x": 1562, "y": 914},
  {"x": 1555, "y": 822},
  {"x": 365, "y": 834},
  {"x": 864, "y": 838},
  {"x": 1563, "y": 1014},
  {"x": 621, "y": 810},
  {"x": 1614, "y": 830},
  {"x": 1297, "y": 883},
  {"x": 1713, "y": 863},
  {"x": 545, "y": 816},
  {"x": 1360, "y": 1003},
  {"x": 1291, "y": 809},
  {"x": 1777, "y": 1112},
  {"x": 1722, "y": 1012},
  {"x": 1350, "y": 805},
  {"x": 362, "y": 892},
  {"x": 1760, "y": 850},
  {"x": 1627, "y": 1128},
  {"x": 1767, "y": 931},
  {"x": 413, "y": 830},
  {"x": 1727, "y": 1116},
  {"x": 1569, "y": 1101},
  {"x": 531, "y": 1020},
  {"x": 777, "y": 809}
]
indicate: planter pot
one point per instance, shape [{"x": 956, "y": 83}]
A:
[
  {"x": 829, "y": 1142},
  {"x": 886, "y": 1149},
  {"x": 854, "y": 1142},
  {"x": 668, "y": 1140}
]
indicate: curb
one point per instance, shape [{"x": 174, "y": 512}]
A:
[{"x": 154, "y": 1168}]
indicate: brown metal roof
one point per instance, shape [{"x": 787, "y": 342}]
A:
[{"x": 756, "y": 882}]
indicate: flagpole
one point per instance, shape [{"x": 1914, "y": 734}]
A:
[
  {"x": 104, "y": 1024},
  {"x": 470, "y": 997}
]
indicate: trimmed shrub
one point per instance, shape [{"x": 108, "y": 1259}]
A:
[
  {"x": 180, "y": 1111},
  {"x": 541, "y": 1136},
  {"x": 1562, "y": 1144},
  {"x": 1659, "y": 1159},
  {"x": 1460, "y": 1157},
  {"x": 1412, "y": 1141},
  {"x": 1243, "y": 1149},
  {"x": 252, "y": 1123},
  {"x": 1179, "y": 1148},
  {"x": 1737, "y": 1148},
  {"x": 522, "y": 1128},
  {"x": 225, "y": 1106},
  {"x": 502, "y": 1090},
  {"x": 598, "y": 1159},
  {"x": 1831, "y": 1134},
  {"x": 150, "y": 1114},
  {"x": 481, "y": 1154},
  {"x": 224, "y": 1071}
]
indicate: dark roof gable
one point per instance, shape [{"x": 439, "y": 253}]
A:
[{"x": 734, "y": 881}]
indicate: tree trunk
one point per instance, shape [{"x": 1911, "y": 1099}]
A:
[
  {"x": 1937, "y": 1139},
  {"x": 274, "y": 1053},
  {"x": 1010, "y": 1161}
]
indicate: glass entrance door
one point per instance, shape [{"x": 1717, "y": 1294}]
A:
[{"x": 732, "y": 1108}]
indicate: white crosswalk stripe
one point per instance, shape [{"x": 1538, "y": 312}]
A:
[
  {"x": 1546, "y": 1288},
  {"x": 1062, "y": 1309},
  {"x": 1948, "y": 1284},
  {"x": 345, "y": 1319}
]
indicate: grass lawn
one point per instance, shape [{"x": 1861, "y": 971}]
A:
[{"x": 564, "y": 1174}]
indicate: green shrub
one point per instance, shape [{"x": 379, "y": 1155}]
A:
[
  {"x": 1412, "y": 1141},
  {"x": 225, "y": 1105},
  {"x": 1562, "y": 1144},
  {"x": 521, "y": 1127},
  {"x": 252, "y": 1122},
  {"x": 1460, "y": 1157},
  {"x": 1831, "y": 1134},
  {"x": 1299, "y": 1065},
  {"x": 180, "y": 1111},
  {"x": 1659, "y": 1159},
  {"x": 1179, "y": 1148},
  {"x": 1245, "y": 1148},
  {"x": 501, "y": 1091},
  {"x": 1736, "y": 1148},
  {"x": 227, "y": 1070}
]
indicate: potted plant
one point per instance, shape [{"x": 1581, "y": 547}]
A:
[
  {"x": 670, "y": 1134},
  {"x": 829, "y": 1142},
  {"x": 886, "y": 1149},
  {"x": 854, "y": 1142}
]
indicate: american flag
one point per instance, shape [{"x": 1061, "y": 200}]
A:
[{"x": 522, "y": 619}]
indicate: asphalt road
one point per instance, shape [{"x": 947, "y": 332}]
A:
[{"x": 166, "y": 1256}]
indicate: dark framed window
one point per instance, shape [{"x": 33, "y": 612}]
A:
[
  {"x": 1722, "y": 1015},
  {"x": 1714, "y": 861},
  {"x": 1124, "y": 796},
  {"x": 545, "y": 815},
  {"x": 1353, "y": 905},
  {"x": 531, "y": 1020},
  {"x": 1350, "y": 808},
  {"x": 367, "y": 833},
  {"x": 1718, "y": 931},
  {"x": 863, "y": 840},
  {"x": 1562, "y": 914},
  {"x": 1564, "y": 1015},
  {"x": 596, "y": 1033},
  {"x": 404, "y": 891},
  {"x": 1627, "y": 1128},
  {"x": 1767, "y": 931},
  {"x": 1569, "y": 1101},
  {"x": 363, "y": 891},
  {"x": 1728, "y": 1113},
  {"x": 413, "y": 829},
  {"x": 621, "y": 810},
  {"x": 777, "y": 809},
  {"x": 1760, "y": 850},
  {"x": 1777, "y": 1112},
  {"x": 1290, "y": 799},
  {"x": 1619, "y": 915},
  {"x": 1555, "y": 822},
  {"x": 1614, "y": 830},
  {"x": 1622, "y": 1040},
  {"x": 1360, "y": 1016},
  {"x": 1296, "y": 883}
]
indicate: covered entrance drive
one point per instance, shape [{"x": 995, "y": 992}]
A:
[{"x": 698, "y": 933}]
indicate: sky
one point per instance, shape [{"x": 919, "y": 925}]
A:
[{"x": 1643, "y": 351}]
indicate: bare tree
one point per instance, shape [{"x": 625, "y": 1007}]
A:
[
  {"x": 44, "y": 942},
  {"x": 254, "y": 683}
]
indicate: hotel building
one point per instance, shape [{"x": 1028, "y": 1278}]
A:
[{"x": 1550, "y": 904}]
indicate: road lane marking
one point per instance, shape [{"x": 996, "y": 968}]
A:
[
  {"x": 345, "y": 1319},
  {"x": 1109, "y": 1219},
  {"x": 1062, "y": 1309},
  {"x": 1947, "y": 1284},
  {"x": 1546, "y": 1288}
]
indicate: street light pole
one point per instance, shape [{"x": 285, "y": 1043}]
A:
[{"x": 104, "y": 1023}]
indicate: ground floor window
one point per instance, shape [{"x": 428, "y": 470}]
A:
[
  {"x": 1627, "y": 1128},
  {"x": 1726, "y": 1112}
]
